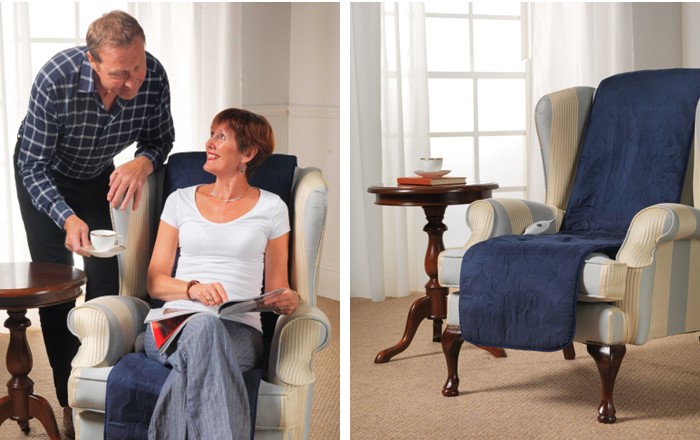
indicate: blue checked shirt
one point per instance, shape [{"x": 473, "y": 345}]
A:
[{"x": 67, "y": 129}]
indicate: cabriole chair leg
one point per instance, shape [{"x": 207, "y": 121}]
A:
[
  {"x": 608, "y": 359},
  {"x": 451, "y": 343},
  {"x": 569, "y": 352}
]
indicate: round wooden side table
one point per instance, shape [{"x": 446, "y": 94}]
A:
[
  {"x": 24, "y": 286},
  {"x": 434, "y": 199}
]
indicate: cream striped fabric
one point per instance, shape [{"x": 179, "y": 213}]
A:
[
  {"x": 297, "y": 338},
  {"x": 310, "y": 204},
  {"x": 564, "y": 145},
  {"x": 692, "y": 313},
  {"x": 107, "y": 328},
  {"x": 136, "y": 229},
  {"x": 663, "y": 242},
  {"x": 480, "y": 217}
]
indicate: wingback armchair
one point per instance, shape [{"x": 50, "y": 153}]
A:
[
  {"x": 649, "y": 289},
  {"x": 110, "y": 328}
]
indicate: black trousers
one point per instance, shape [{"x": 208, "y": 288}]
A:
[{"x": 88, "y": 198}]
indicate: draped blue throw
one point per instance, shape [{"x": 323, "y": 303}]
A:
[{"x": 520, "y": 291}]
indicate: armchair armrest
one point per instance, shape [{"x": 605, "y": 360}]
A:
[
  {"x": 663, "y": 222},
  {"x": 494, "y": 217},
  {"x": 297, "y": 337},
  {"x": 107, "y": 328}
]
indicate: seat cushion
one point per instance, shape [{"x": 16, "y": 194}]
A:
[
  {"x": 133, "y": 388},
  {"x": 602, "y": 278}
]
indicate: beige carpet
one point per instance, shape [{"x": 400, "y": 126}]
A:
[
  {"x": 527, "y": 395},
  {"x": 325, "y": 422}
]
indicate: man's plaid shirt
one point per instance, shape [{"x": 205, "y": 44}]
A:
[{"x": 67, "y": 130}]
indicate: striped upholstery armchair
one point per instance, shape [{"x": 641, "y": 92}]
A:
[
  {"x": 109, "y": 327},
  {"x": 651, "y": 289}
]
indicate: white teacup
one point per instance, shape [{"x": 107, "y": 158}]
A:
[
  {"x": 431, "y": 163},
  {"x": 103, "y": 239}
]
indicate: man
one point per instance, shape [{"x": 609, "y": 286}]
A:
[{"x": 87, "y": 104}]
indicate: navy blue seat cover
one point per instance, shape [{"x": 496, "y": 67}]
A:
[
  {"x": 134, "y": 384},
  {"x": 520, "y": 291}
]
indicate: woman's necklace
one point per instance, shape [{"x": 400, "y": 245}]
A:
[{"x": 234, "y": 199}]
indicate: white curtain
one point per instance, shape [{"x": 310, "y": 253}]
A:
[
  {"x": 575, "y": 44},
  {"x": 198, "y": 43},
  {"x": 387, "y": 138}
]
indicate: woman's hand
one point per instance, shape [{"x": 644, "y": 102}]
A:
[
  {"x": 285, "y": 303},
  {"x": 208, "y": 294}
]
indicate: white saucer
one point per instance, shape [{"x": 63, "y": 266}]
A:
[
  {"x": 432, "y": 174},
  {"x": 116, "y": 250}
]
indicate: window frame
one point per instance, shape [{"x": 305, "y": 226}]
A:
[{"x": 475, "y": 76}]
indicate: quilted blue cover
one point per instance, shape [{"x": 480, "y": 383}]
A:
[
  {"x": 134, "y": 384},
  {"x": 520, "y": 291},
  {"x": 133, "y": 388}
]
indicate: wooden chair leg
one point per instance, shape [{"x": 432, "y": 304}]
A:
[
  {"x": 451, "y": 343},
  {"x": 569, "y": 352},
  {"x": 608, "y": 359}
]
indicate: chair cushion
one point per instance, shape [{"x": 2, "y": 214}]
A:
[
  {"x": 602, "y": 278},
  {"x": 133, "y": 389}
]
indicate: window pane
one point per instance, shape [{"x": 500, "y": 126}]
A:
[
  {"x": 497, "y": 46},
  {"x": 501, "y": 104},
  {"x": 451, "y": 105},
  {"x": 457, "y": 154},
  {"x": 90, "y": 11},
  {"x": 502, "y": 160},
  {"x": 496, "y": 8},
  {"x": 54, "y": 19},
  {"x": 451, "y": 7},
  {"x": 443, "y": 57}
]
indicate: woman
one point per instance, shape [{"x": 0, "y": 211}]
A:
[{"x": 231, "y": 237}]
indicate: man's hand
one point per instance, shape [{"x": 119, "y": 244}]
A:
[
  {"x": 126, "y": 182},
  {"x": 77, "y": 235}
]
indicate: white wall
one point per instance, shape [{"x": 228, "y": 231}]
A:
[
  {"x": 292, "y": 77},
  {"x": 657, "y": 35},
  {"x": 690, "y": 34}
]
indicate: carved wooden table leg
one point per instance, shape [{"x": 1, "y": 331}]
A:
[
  {"x": 21, "y": 404},
  {"x": 608, "y": 359},
  {"x": 435, "y": 229},
  {"x": 420, "y": 310}
]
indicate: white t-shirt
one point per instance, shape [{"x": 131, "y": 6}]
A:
[{"x": 231, "y": 253}]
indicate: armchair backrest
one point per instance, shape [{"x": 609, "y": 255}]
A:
[
  {"x": 303, "y": 189},
  {"x": 562, "y": 121}
]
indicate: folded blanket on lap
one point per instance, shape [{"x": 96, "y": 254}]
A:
[{"x": 520, "y": 291}]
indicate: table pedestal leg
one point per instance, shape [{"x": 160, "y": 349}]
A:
[
  {"x": 21, "y": 404},
  {"x": 434, "y": 304}
]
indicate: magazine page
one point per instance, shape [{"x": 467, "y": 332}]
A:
[
  {"x": 255, "y": 304},
  {"x": 165, "y": 331},
  {"x": 176, "y": 308}
]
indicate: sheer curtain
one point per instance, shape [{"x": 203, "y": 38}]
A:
[
  {"x": 387, "y": 138},
  {"x": 575, "y": 44},
  {"x": 198, "y": 43}
]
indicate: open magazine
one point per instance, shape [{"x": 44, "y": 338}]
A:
[{"x": 167, "y": 321}]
